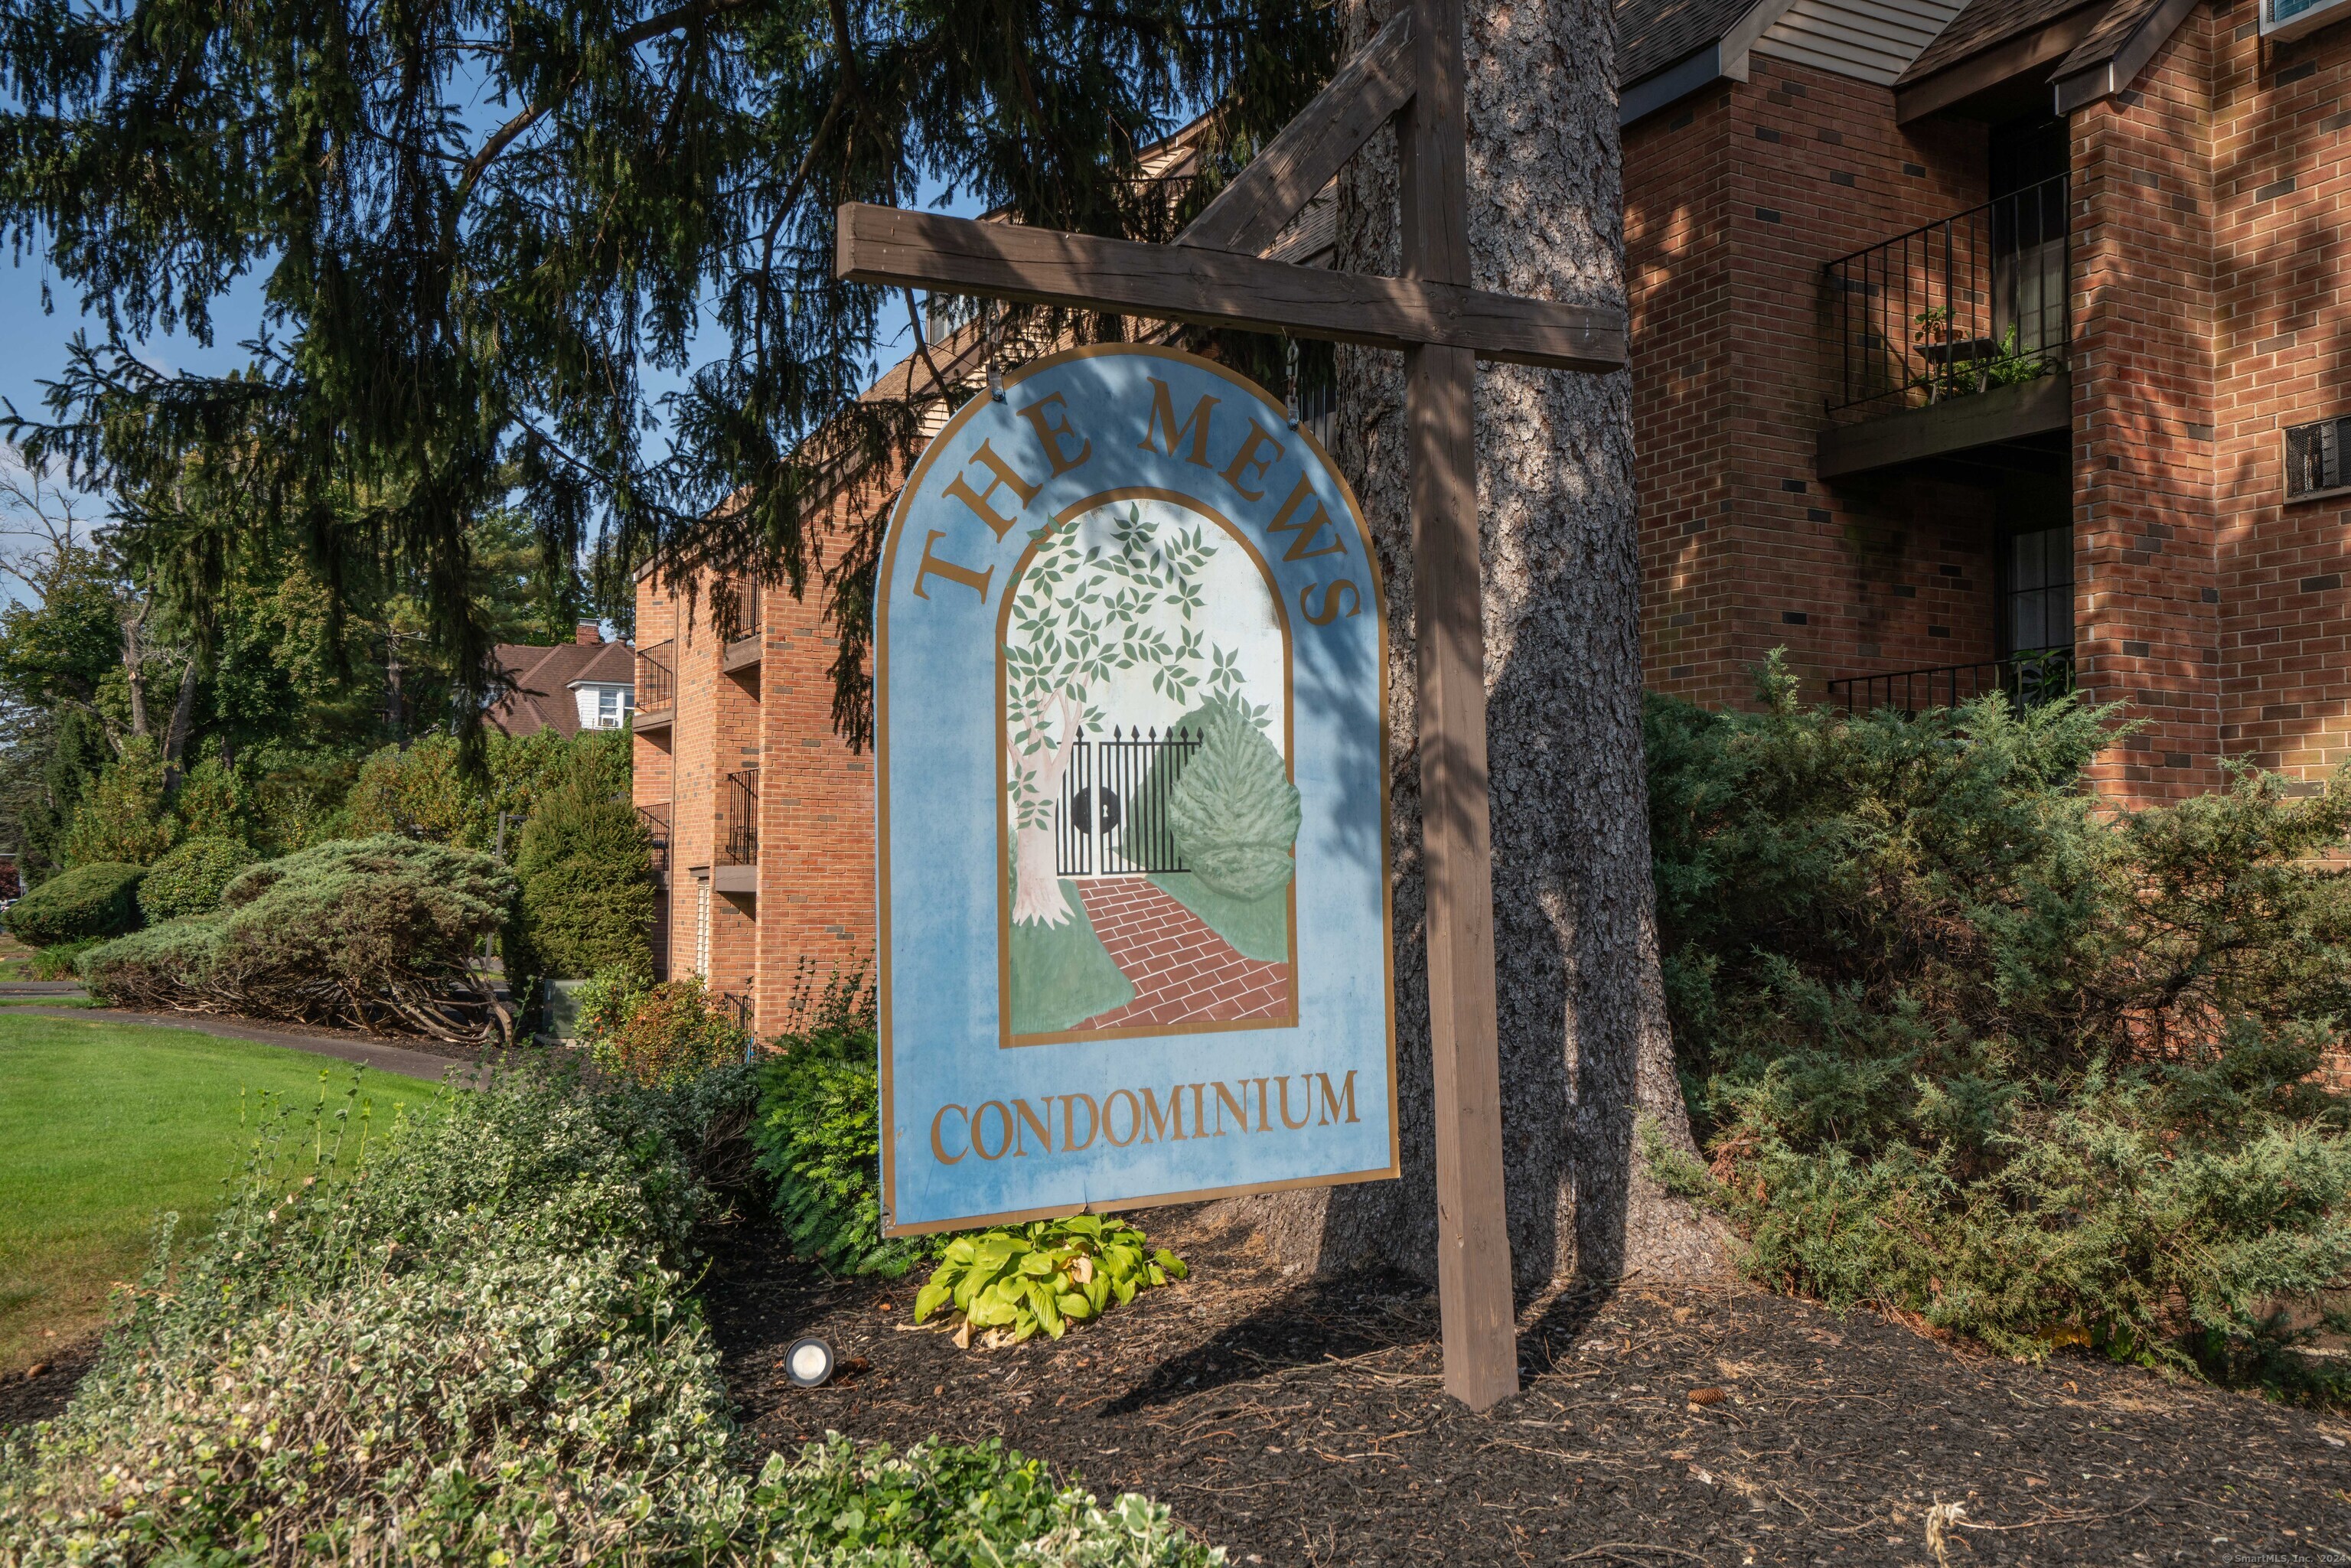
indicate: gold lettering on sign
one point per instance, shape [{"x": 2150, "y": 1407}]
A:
[
  {"x": 1134, "y": 1117},
  {"x": 1031, "y": 1123},
  {"x": 1050, "y": 434},
  {"x": 979, "y": 1119},
  {"x": 1006, "y": 476},
  {"x": 998, "y": 1129},
  {"x": 1308, "y": 530},
  {"x": 975, "y": 580},
  {"x": 1163, "y": 418},
  {"x": 1257, "y": 466},
  {"x": 1156, "y": 1122},
  {"x": 1330, "y": 1100},
  {"x": 1322, "y": 614},
  {"x": 1069, "y": 1144},
  {"x": 938, "y": 1144}
]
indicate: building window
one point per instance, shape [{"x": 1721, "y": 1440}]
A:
[
  {"x": 608, "y": 708},
  {"x": 702, "y": 926},
  {"x": 2040, "y": 610}
]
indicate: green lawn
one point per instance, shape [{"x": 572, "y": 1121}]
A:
[{"x": 103, "y": 1127}]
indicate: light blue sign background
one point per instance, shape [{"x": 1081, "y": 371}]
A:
[{"x": 937, "y": 740}]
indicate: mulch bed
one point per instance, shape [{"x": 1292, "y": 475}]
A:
[
  {"x": 41, "y": 1390},
  {"x": 1304, "y": 1423}
]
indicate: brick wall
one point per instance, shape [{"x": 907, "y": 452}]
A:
[
  {"x": 816, "y": 807},
  {"x": 1733, "y": 203},
  {"x": 2146, "y": 623},
  {"x": 2279, "y": 184},
  {"x": 812, "y": 914}
]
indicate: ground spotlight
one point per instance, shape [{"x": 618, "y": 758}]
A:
[{"x": 810, "y": 1363}]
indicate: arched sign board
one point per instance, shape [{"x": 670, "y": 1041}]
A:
[{"x": 1132, "y": 788}]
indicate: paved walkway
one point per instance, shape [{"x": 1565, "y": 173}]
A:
[
  {"x": 1182, "y": 971},
  {"x": 381, "y": 1055}
]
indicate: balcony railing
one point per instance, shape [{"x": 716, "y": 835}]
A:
[
  {"x": 1959, "y": 306},
  {"x": 738, "y": 610},
  {"x": 656, "y": 822},
  {"x": 741, "y": 845},
  {"x": 2029, "y": 680},
  {"x": 656, "y": 677}
]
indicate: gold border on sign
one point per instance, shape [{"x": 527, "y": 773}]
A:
[
  {"x": 883, "y": 577},
  {"x": 1004, "y": 1038}
]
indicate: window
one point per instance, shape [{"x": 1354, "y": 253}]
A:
[
  {"x": 2040, "y": 611},
  {"x": 609, "y": 708},
  {"x": 2314, "y": 458}
]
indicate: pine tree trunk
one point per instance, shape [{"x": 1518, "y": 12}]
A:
[{"x": 1586, "y": 1052}]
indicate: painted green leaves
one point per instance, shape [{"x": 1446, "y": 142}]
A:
[
  {"x": 1233, "y": 812},
  {"x": 1012, "y": 1281}
]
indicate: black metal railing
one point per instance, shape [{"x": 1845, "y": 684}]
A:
[
  {"x": 741, "y": 845},
  {"x": 1112, "y": 815},
  {"x": 2029, "y": 679},
  {"x": 739, "y": 614},
  {"x": 656, "y": 822},
  {"x": 656, "y": 677},
  {"x": 1975, "y": 302}
]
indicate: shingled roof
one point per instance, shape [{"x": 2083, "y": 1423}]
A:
[
  {"x": 1653, "y": 34},
  {"x": 541, "y": 696}
]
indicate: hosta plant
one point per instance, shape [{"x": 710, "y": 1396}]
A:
[{"x": 1013, "y": 1280}]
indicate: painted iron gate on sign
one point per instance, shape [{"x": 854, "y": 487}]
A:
[{"x": 1112, "y": 817}]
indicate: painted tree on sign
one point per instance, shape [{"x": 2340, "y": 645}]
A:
[{"x": 1081, "y": 612}]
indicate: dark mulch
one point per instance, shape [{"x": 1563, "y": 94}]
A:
[
  {"x": 1304, "y": 1423},
  {"x": 41, "y": 1390}
]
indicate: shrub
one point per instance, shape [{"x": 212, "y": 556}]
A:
[
  {"x": 365, "y": 932},
  {"x": 124, "y": 819},
  {"x": 479, "y": 1348},
  {"x": 819, "y": 1132},
  {"x": 586, "y": 868},
  {"x": 63, "y": 962},
  {"x": 190, "y": 877},
  {"x": 1014, "y": 1280},
  {"x": 99, "y": 899},
  {"x": 1963, "y": 1044},
  {"x": 661, "y": 1036},
  {"x": 1234, "y": 811}
]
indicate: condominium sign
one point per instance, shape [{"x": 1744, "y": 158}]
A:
[{"x": 1130, "y": 689}]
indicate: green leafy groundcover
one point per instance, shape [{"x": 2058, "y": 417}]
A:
[
  {"x": 1963, "y": 1042},
  {"x": 480, "y": 1349}
]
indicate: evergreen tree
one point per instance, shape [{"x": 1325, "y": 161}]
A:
[
  {"x": 462, "y": 315},
  {"x": 585, "y": 864}
]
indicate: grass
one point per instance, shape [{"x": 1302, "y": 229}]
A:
[
  {"x": 1062, "y": 975},
  {"x": 104, "y": 1127}
]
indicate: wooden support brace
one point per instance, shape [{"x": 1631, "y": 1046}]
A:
[
  {"x": 1473, "y": 1244},
  {"x": 1276, "y": 185},
  {"x": 1046, "y": 267}
]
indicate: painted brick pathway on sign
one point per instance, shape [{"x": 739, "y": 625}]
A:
[{"x": 1182, "y": 972}]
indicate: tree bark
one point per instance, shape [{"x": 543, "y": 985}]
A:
[
  {"x": 1587, "y": 1055},
  {"x": 1037, "y": 897},
  {"x": 134, "y": 665},
  {"x": 183, "y": 713}
]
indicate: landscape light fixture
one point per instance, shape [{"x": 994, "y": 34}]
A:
[{"x": 810, "y": 1363}]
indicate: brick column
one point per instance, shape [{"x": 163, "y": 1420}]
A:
[{"x": 2146, "y": 618}]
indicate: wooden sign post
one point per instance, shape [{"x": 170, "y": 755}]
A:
[{"x": 1212, "y": 274}]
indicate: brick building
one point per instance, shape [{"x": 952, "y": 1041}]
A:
[
  {"x": 1970, "y": 342},
  {"x": 1970, "y": 339}
]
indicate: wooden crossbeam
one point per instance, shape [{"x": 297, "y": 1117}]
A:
[
  {"x": 1288, "y": 171},
  {"x": 1214, "y": 288}
]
